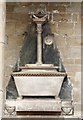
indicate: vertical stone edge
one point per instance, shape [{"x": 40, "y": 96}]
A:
[{"x": 2, "y": 42}]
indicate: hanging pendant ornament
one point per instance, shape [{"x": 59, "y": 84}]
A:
[{"x": 49, "y": 40}]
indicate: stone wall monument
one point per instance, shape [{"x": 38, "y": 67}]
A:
[{"x": 39, "y": 85}]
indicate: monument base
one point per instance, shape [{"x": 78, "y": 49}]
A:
[{"x": 38, "y": 107}]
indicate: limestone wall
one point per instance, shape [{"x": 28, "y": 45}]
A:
[{"x": 66, "y": 26}]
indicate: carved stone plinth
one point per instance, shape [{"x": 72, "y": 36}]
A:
[{"x": 38, "y": 105}]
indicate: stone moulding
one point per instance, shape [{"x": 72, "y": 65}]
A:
[{"x": 38, "y": 74}]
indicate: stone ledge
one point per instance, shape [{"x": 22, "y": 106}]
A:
[{"x": 42, "y": 118}]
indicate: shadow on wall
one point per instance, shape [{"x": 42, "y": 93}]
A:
[{"x": 28, "y": 56}]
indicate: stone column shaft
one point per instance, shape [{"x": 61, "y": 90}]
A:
[{"x": 39, "y": 44}]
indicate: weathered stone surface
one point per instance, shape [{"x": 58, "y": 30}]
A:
[
  {"x": 38, "y": 86},
  {"x": 9, "y": 16},
  {"x": 65, "y": 29},
  {"x": 69, "y": 61},
  {"x": 71, "y": 68},
  {"x": 77, "y": 61},
  {"x": 38, "y": 105},
  {"x": 59, "y": 40},
  {"x": 74, "y": 41},
  {"x": 77, "y": 107},
  {"x": 11, "y": 29},
  {"x": 69, "y": 52},
  {"x": 77, "y": 29},
  {"x": 77, "y": 88},
  {"x": 2, "y": 32},
  {"x": 20, "y": 26},
  {"x": 75, "y": 8},
  {"x": 43, "y": 118}
]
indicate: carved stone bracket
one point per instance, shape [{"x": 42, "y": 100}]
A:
[
  {"x": 67, "y": 107},
  {"x": 10, "y": 110}
]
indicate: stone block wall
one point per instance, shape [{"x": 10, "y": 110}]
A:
[{"x": 66, "y": 26}]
